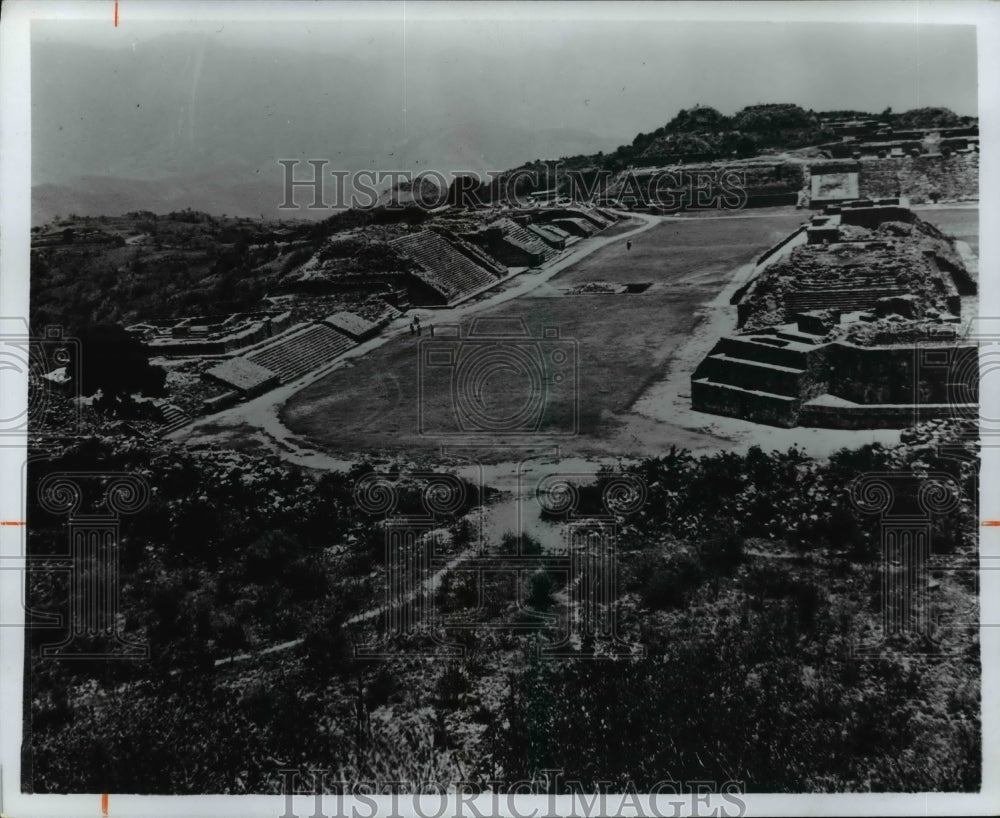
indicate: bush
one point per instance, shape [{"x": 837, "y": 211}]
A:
[
  {"x": 723, "y": 552},
  {"x": 808, "y": 602},
  {"x": 295, "y": 259},
  {"x": 453, "y": 686},
  {"x": 768, "y": 581},
  {"x": 327, "y": 649},
  {"x": 380, "y": 688},
  {"x": 541, "y": 586},
  {"x": 671, "y": 586},
  {"x": 528, "y": 544}
]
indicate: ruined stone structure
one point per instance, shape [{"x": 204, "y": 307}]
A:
[
  {"x": 210, "y": 334},
  {"x": 553, "y": 236},
  {"x": 920, "y": 178},
  {"x": 512, "y": 244},
  {"x": 232, "y": 357},
  {"x": 286, "y": 358},
  {"x": 443, "y": 268},
  {"x": 760, "y": 183},
  {"x": 853, "y": 322}
]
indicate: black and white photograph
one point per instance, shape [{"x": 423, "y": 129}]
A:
[{"x": 564, "y": 409}]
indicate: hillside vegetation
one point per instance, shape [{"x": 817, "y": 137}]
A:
[
  {"x": 752, "y": 583},
  {"x": 703, "y": 134}
]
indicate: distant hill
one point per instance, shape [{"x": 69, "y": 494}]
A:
[
  {"x": 702, "y": 133},
  {"x": 250, "y": 190},
  {"x": 187, "y": 121}
]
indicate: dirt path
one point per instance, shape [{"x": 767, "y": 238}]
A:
[
  {"x": 261, "y": 414},
  {"x": 427, "y": 586},
  {"x": 520, "y": 481},
  {"x": 660, "y": 416}
]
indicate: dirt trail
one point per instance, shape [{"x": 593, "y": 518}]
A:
[{"x": 261, "y": 414}]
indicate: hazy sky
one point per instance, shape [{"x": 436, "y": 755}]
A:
[
  {"x": 610, "y": 77},
  {"x": 165, "y": 113}
]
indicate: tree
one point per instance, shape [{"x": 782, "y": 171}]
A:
[
  {"x": 110, "y": 360},
  {"x": 327, "y": 648},
  {"x": 541, "y": 587}
]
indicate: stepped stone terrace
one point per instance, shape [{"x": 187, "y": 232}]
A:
[
  {"x": 857, "y": 324},
  {"x": 513, "y": 244},
  {"x": 377, "y": 272},
  {"x": 455, "y": 261},
  {"x": 210, "y": 334},
  {"x": 443, "y": 267},
  {"x": 293, "y": 354}
]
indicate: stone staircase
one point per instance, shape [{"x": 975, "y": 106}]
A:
[
  {"x": 596, "y": 218},
  {"x": 748, "y": 404},
  {"x": 576, "y": 226},
  {"x": 850, "y": 291},
  {"x": 765, "y": 381},
  {"x": 477, "y": 254},
  {"x": 848, "y": 299},
  {"x": 750, "y": 374},
  {"x": 780, "y": 380},
  {"x": 553, "y": 236},
  {"x": 524, "y": 238},
  {"x": 443, "y": 268},
  {"x": 173, "y": 417},
  {"x": 304, "y": 351}
]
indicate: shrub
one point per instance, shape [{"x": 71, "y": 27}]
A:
[
  {"x": 380, "y": 688},
  {"x": 541, "y": 586},
  {"x": 723, "y": 552},
  {"x": 808, "y": 601},
  {"x": 327, "y": 649},
  {"x": 671, "y": 585},
  {"x": 452, "y": 686},
  {"x": 768, "y": 581},
  {"x": 509, "y": 544}
]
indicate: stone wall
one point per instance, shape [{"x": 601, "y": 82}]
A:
[
  {"x": 774, "y": 248},
  {"x": 950, "y": 177},
  {"x": 955, "y": 275},
  {"x": 902, "y": 375},
  {"x": 743, "y": 347},
  {"x": 220, "y": 402},
  {"x": 890, "y": 385},
  {"x": 760, "y": 366},
  {"x": 872, "y": 217},
  {"x": 755, "y": 376},
  {"x": 718, "y": 399},
  {"x": 210, "y": 346},
  {"x": 871, "y": 417},
  {"x": 755, "y": 199}
]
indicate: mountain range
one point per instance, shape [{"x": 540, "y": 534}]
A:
[{"x": 185, "y": 121}]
